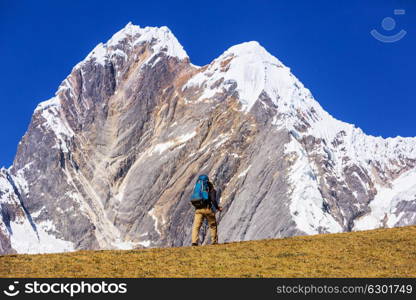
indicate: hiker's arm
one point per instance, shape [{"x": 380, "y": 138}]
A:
[{"x": 214, "y": 200}]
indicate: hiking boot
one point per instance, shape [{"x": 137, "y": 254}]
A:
[{"x": 194, "y": 244}]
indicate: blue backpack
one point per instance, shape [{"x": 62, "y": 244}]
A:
[{"x": 200, "y": 198}]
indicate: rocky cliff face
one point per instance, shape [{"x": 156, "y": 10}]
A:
[{"x": 110, "y": 161}]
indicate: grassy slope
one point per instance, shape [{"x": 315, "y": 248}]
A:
[{"x": 376, "y": 253}]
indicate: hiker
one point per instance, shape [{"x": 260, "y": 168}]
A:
[{"x": 204, "y": 199}]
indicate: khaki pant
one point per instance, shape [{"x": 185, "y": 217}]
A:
[{"x": 200, "y": 214}]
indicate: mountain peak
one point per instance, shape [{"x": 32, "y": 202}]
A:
[
  {"x": 252, "y": 52},
  {"x": 161, "y": 39},
  {"x": 254, "y": 71}
]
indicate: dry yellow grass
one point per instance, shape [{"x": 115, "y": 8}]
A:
[{"x": 375, "y": 253}]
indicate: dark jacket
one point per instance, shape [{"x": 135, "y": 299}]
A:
[{"x": 212, "y": 195}]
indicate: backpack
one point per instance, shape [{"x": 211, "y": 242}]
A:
[{"x": 200, "y": 198}]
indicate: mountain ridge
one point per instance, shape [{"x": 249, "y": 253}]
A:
[{"x": 133, "y": 124}]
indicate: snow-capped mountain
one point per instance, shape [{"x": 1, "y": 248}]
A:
[{"x": 110, "y": 161}]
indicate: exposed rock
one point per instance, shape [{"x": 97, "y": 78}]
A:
[{"x": 110, "y": 161}]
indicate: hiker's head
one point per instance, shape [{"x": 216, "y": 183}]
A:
[{"x": 203, "y": 177}]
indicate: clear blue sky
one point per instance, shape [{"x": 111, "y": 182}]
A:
[{"x": 327, "y": 44}]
